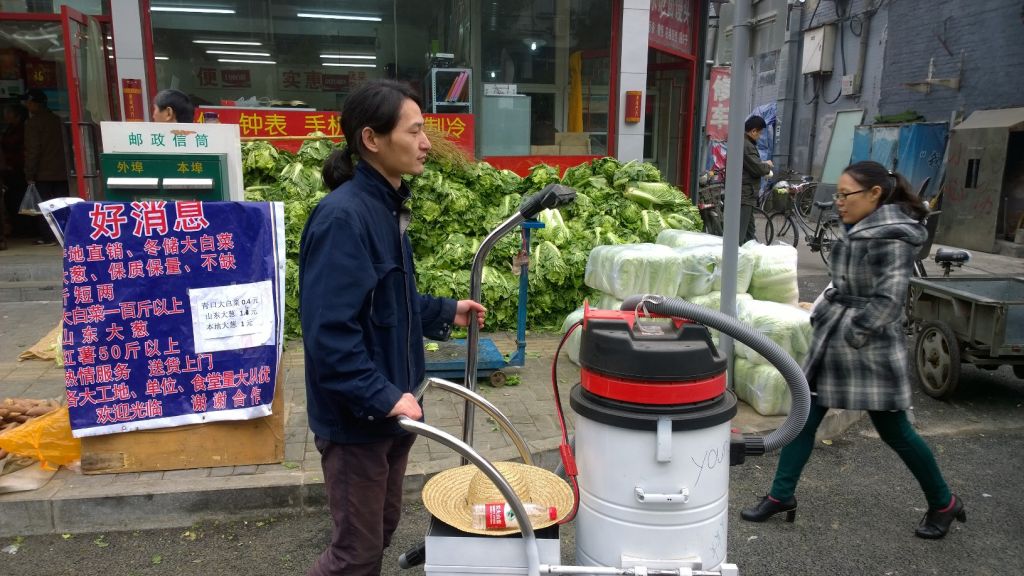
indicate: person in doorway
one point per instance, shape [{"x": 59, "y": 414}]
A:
[
  {"x": 45, "y": 166},
  {"x": 363, "y": 323},
  {"x": 753, "y": 169},
  {"x": 172, "y": 106},
  {"x": 858, "y": 358},
  {"x": 12, "y": 167}
]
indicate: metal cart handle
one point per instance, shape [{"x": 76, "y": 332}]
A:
[
  {"x": 467, "y": 452},
  {"x": 486, "y": 406},
  {"x": 552, "y": 196}
]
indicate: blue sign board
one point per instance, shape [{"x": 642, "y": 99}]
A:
[{"x": 173, "y": 312}]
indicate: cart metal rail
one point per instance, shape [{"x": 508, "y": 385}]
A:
[{"x": 974, "y": 319}]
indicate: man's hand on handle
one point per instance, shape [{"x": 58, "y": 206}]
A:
[
  {"x": 462, "y": 310},
  {"x": 407, "y": 406}
]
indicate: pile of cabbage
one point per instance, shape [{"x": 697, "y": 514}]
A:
[
  {"x": 688, "y": 265},
  {"x": 456, "y": 203}
]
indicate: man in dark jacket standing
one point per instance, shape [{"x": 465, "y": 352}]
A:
[
  {"x": 363, "y": 323},
  {"x": 753, "y": 169},
  {"x": 44, "y": 155}
]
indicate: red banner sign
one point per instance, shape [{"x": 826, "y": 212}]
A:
[
  {"x": 262, "y": 123},
  {"x": 131, "y": 92},
  {"x": 672, "y": 27},
  {"x": 717, "y": 123}
]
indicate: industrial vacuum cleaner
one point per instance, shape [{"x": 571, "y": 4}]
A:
[{"x": 653, "y": 443}]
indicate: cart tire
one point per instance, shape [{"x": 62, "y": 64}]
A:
[
  {"x": 498, "y": 379},
  {"x": 937, "y": 359},
  {"x": 1018, "y": 371}
]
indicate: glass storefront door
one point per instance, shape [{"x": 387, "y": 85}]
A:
[
  {"x": 64, "y": 56},
  {"x": 86, "y": 73}
]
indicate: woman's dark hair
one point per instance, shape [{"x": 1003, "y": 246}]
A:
[
  {"x": 377, "y": 105},
  {"x": 754, "y": 123},
  {"x": 177, "y": 101},
  {"x": 895, "y": 188}
]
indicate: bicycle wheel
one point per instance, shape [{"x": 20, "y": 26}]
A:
[
  {"x": 764, "y": 232},
  {"x": 805, "y": 200},
  {"x": 785, "y": 229},
  {"x": 827, "y": 237}
]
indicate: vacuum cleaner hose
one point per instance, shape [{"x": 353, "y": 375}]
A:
[{"x": 791, "y": 371}]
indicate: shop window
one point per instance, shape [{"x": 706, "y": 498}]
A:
[
  {"x": 265, "y": 53},
  {"x": 557, "y": 55}
]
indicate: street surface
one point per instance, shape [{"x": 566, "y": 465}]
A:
[{"x": 858, "y": 510}]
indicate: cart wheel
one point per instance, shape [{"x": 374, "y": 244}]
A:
[
  {"x": 937, "y": 358},
  {"x": 498, "y": 379},
  {"x": 1018, "y": 371}
]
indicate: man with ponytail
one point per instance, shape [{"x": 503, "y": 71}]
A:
[
  {"x": 858, "y": 358},
  {"x": 363, "y": 323}
]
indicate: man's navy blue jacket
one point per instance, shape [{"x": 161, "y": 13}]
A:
[{"x": 363, "y": 321}]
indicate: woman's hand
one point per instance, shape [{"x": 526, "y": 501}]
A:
[{"x": 462, "y": 310}]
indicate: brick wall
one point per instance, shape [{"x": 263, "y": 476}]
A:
[{"x": 991, "y": 35}]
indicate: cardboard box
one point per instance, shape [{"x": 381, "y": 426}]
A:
[
  {"x": 235, "y": 443},
  {"x": 573, "y": 139},
  {"x": 567, "y": 150},
  {"x": 552, "y": 150}
]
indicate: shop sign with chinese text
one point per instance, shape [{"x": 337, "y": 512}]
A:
[
  {"x": 173, "y": 313},
  {"x": 671, "y": 27},
  {"x": 270, "y": 123}
]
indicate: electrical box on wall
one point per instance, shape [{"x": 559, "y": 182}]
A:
[
  {"x": 850, "y": 85},
  {"x": 818, "y": 46}
]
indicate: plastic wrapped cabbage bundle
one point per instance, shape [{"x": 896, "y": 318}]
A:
[
  {"x": 687, "y": 239},
  {"x": 788, "y": 326},
  {"x": 713, "y": 300},
  {"x": 762, "y": 387},
  {"x": 626, "y": 269},
  {"x": 572, "y": 345},
  {"x": 744, "y": 270},
  {"x": 774, "y": 277},
  {"x": 699, "y": 265},
  {"x": 606, "y": 302}
]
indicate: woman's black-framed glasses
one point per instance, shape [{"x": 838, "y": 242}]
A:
[{"x": 844, "y": 195}]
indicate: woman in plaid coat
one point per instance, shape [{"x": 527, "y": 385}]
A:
[{"x": 858, "y": 358}]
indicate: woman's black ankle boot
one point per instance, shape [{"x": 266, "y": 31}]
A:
[
  {"x": 935, "y": 523},
  {"x": 769, "y": 507}
]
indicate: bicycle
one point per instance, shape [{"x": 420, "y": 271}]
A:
[
  {"x": 712, "y": 207},
  {"x": 788, "y": 187},
  {"x": 788, "y": 224}
]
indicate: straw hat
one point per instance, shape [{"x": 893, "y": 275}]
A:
[{"x": 451, "y": 494}]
